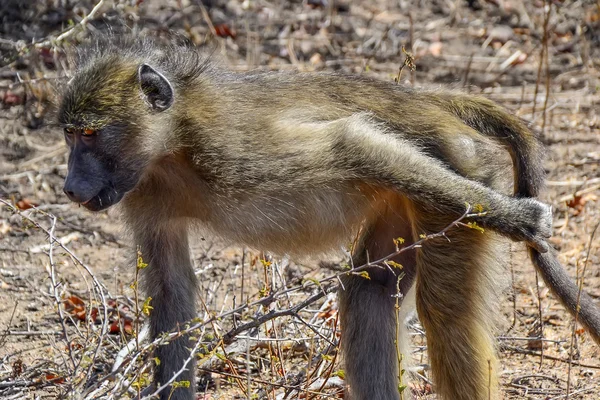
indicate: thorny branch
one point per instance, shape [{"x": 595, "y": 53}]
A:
[
  {"x": 266, "y": 301},
  {"x": 99, "y": 287},
  {"x": 64, "y": 35}
]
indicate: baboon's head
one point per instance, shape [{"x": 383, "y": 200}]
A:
[{"x": 110, "y": 111}]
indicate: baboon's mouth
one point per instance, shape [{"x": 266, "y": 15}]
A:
[
  {"x": 103, "y": 200},
  {"x": 91, "y": 204}
]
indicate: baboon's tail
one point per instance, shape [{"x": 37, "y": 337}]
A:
[
  {"x": 527, "y": 153},
  {"x": 566, "y": 290},
  {"x": 489, "y": 118}
]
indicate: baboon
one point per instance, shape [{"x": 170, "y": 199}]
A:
[{"x": 297, "y": 163}]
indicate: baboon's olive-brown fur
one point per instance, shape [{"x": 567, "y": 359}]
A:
[{"x": 297, "y": 163}]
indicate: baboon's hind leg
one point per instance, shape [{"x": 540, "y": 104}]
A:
[
  {"x": 367, "y": 309},
  {"x": 457, "y": 296}
]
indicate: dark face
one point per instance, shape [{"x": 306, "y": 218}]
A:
[
  {"x": 103, "y": 113},
  {"x": 98, "y": 176}
]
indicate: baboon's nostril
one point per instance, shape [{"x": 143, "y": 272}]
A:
[{"x": 70, "y": 194}]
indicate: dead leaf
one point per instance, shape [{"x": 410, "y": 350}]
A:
[
  {"x": 316, "y": 59},
  {"x": 53, "y": 378},
  {"x": 74, "y": 304},
  {"x": 122, "y": 325},
  {"x": 577, "y": 204},
  {"x": 18, "y": 367},
  {"x": 12, "y": 99},
  {"x": 435, "y": 49},
  {"x": 223, "y": 30},
  {"x": 4, "y": 228},
  {"x": 26, "y": 204}
]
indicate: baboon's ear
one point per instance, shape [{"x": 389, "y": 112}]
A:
[{"x": 156, "y": 88}]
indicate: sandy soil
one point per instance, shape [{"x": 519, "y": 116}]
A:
[{"x": 52, "y": 345}]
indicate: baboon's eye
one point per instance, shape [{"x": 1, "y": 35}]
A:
[
  {"x": 69, "y": 130},
  {"x": 88, "y": 132}
]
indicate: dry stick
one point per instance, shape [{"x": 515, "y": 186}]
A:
[
  {"x": 522, "y": 99},
  {"x": 579, "y": 193},
  {"x": 467, "y": 71},
  {"x": 541, "y": 316},
  {"x": 266, "y": 263},
  {"x": 15, "y": 210},
  {"x": 588, "y": 389},
  {"x": 52, "y": 274},
  {"x": 549, "y": 357},
  {"x": 62, "y": 149},
  {"x": 61, "y": 315},
  {"x": 411, "y": 41},
  {"x": 574, "y": 183},
  {"x": 243, "y": 270},
  {"x": 399, "y": 355},
  {"x": 489, "y": 379},
  {"x": 545, "y": 44},
  {"x": 139, "y": 265},
  {"x": 577, "y": 308},
  {"x": 527, "y": 339},
  {"x": 320, "y": 360},
  {"x": 516, "y": 383},
  {"x": 186, "y": 22},
  {"x": 129, "y": 361},
  {"x": 275, "y": 274},
  {"x": 544, "y": 59},
  {"x": 33, "y": 333},
  {"x": 248, "y": 369},
  {"x": 207, "y": 19},
  {"x": 10, "y": 320},
  {"x": 100, "y": 287},
  {"x": 514, "y": 293},
  {"x": 310, "y": 372},
  {"x": 71, "y": 30},
  {"x": 12, "y": 250},
  {"x": 176, "y": 374},
  {"x": 409, "y": 61},
  {"x": 332, "y": 365},
  {"x": 263, "y": 382},
  {"x": 542, "y": 55},
  {"x": 508, "y": 68},
  {"x": 293, "y": 311},
  {"x": 222, "y": 344},
  {"x": 265, "y": 301},
  {"x": 228, "y": 337},
  {"x": 312, "y": 328}
]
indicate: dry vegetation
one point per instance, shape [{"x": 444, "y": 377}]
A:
[{"x": 71, "y": 317}]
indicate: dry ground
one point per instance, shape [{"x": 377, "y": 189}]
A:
[{"x": 67, "y": 308}]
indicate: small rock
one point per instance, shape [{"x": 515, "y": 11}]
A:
[{"x": 501, "y": 33}]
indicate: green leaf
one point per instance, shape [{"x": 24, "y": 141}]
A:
[
  {"x": 363, "y": 274},
  {"x": 180, "y": 384},
  {"x": 146, "y": 307},
  {"x": 473, "y": 225},
  {"x": 340, "y": 373},
  {"x": 140, "y": 261},
  {"x": 398, "y": 241}
]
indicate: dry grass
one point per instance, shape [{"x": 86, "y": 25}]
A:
[{"x": 71, "y": 318}]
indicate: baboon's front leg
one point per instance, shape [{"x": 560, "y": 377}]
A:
[{"x": 170, "y": 281}]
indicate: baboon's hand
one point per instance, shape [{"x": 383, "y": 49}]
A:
[{"x": 536, "y": 219}]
